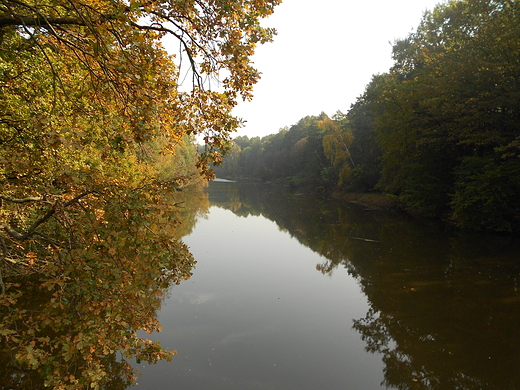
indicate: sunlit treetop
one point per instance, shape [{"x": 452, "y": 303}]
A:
[{"x": 120, "y": 45}]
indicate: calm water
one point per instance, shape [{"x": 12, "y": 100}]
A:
[{"x": 298, "y": 293}]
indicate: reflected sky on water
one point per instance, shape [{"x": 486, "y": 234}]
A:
[{"x": 300, "y": 293}]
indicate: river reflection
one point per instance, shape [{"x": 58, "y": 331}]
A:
[
  {"x": 291, "y": 292},
  {"x": 69, "y": 319}
]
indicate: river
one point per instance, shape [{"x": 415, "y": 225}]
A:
[{"x": 294, "y": 292}]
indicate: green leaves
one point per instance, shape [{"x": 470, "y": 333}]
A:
[
  {"x": 451, "y": 98},
  {"x": 486, "y": 195}
]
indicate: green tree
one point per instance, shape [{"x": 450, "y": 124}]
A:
[
  {"x": 293, "y": 155},
  {"x": 230, "y": 168},
  {"x": 451, "y": 97},
  {"x": 365, "y": 149}
]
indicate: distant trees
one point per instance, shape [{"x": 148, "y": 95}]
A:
[
  {"x": 440, "y": 130},
  {"x": 294, "y": 155}
]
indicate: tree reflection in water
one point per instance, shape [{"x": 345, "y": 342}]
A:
[
  {"x": 70, "y": 313},
  {"x": 446, "y": 323},
  {"x": 445, "y": 305}
]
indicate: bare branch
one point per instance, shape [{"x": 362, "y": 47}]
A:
[
  {"x": 79, "y": 197},
  {"x": 160, "y": 28},
  {"x": 13, "y": 233}
]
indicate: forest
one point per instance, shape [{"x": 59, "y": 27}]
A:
[{"x": 439, "y": 132}]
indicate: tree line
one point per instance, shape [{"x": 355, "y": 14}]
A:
[{"x": 440, "y": 131}]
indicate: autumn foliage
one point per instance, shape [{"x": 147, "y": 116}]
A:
[{"x": 97, "y": 122}]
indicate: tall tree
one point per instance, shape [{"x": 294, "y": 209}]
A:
[
  {"x": 336, "y": 146},
  {"x": 365, "y": 149}
]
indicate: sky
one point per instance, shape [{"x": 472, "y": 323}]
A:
[{"x": 324, "y": 55}]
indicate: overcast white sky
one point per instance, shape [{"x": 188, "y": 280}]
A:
[{"x": 323, "y": 57}]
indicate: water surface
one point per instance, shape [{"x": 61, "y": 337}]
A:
[{"x": 292, "y": 292}]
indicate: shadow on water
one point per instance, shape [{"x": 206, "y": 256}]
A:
[{"x": 444, "y": 305}]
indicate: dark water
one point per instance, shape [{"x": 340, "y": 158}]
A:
[{"x": 292, "y": 292}]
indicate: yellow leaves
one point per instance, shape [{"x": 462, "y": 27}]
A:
[
  {"x": 30, "y": 356},
  {"x": 336, "y": 143},
  {"x": 85, "y": 103},
  {"x": 157, "y": 293}
]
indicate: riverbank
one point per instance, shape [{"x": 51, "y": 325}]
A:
[{"x": 373, "y": 201}]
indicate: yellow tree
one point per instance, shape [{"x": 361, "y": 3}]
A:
[
  {"x": 84, "y": 221},
  {"x": 336, "y": 144},
  {"x": 118, "y": 45}
]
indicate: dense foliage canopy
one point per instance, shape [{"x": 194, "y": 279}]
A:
[
  {"x": 97, "y": 124},
  {"x": 440, "y": 131},
  {"x": 449, "y": 127}
]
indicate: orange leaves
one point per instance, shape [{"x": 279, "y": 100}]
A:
[
  {"x": 157, "y": 293},
  {"x": 31, "y": 258}
]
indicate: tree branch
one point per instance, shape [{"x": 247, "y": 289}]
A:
[
  {"x": 23, "y": 200},
  {"x": 32, "y": 230},
  {"x": 160, "y": 28},
  {"x": 38, "y": 21},
  {"x": 13, "y": 233}
]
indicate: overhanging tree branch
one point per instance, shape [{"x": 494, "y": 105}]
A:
[
  {"x": 38, "y": 21},
  {"x": 32, "y": 230},
  {"x": 91, "y": 19}
]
